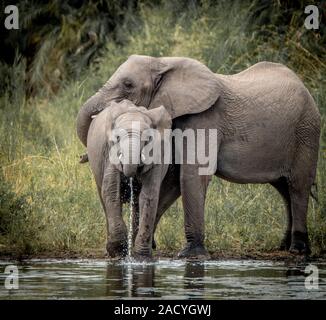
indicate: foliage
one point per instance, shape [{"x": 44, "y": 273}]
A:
[
  {"x": 49, "y": 201},
  {"x": 60, "y": 38}
]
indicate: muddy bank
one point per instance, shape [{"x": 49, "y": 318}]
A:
[{"x": 100, "y": 254}]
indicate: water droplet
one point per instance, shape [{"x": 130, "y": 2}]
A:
[{"x": 131, "y": 231}]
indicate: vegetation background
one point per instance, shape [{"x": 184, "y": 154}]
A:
[{"x": 65, "y": 50}]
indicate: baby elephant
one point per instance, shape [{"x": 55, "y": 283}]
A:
[{"x": 118, "y": 145}]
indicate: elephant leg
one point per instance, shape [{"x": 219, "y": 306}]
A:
[
  {"x": 282, "y": 187},
  {"x": 116, "y": 227},
  {"x": 169, "y": 193},
  {"x": 300, "y": 183},
  {"x": 148, "y": 202},
  {"x": 299, "y": 205},
  {"x": 193, "y": 191}
]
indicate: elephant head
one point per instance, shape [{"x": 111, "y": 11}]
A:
[
  {"x": 182, "y": 85},
  {"x": 129, "y": 129}
]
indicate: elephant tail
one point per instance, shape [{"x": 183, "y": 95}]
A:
[{"x": 314, "y": 191}]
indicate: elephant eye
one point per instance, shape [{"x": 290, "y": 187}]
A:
[{"x": 128, "y": 84}]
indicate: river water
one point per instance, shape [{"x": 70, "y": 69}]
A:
[{"x": 167, "y": 279}]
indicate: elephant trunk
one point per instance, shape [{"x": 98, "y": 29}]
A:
[
  {"x": 130, "y": 148},
  {"x": 130, "y": 170},
  {"x": 92, "y": 106}
]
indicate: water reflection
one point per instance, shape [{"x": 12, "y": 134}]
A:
[
  {"x": 95, "y": 279},
  {"x": 138, "y": 280},
  {"x": 194, "y": 278},
  {"x": 134, "y": 281},
  {"x": 209, "y": 280}
]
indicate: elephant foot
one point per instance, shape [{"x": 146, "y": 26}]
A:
[
  {"x": 286, "y": 241},
  {"x": 117, "y": 249},
  {"x": 142, "y": 258},
  {"x": 194, "y": 251},
  {"x": 300, "y": 243}
]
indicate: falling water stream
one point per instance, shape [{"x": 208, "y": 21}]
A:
[
  {"x": 131, "y": 231},
  {"x": 129, "y": 260}
]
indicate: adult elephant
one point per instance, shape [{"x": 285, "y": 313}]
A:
[
  {"x": 268, "y": 130},
  {"x": 182, "y": 85}
]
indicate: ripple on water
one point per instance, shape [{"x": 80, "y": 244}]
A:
[{"x": 164, "y": 279}]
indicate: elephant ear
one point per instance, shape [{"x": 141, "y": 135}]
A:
[
  {"x": 184, "y": 86},
  {"x": 161, "y": 119},
  {"x": 116, "y": 109}
]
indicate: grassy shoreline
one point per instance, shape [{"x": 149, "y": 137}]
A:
[{"x": 275, "y": 255}]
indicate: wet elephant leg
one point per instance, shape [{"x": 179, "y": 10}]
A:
[
  {"x": 116, "y": 227},
  {"x": 193, "y": 191},
  {"x": 283, "y": 188},
  {"x": 299, "y": 205},
  {"x": 148, "y": 202},
  {"x": 300, "y": 183}
]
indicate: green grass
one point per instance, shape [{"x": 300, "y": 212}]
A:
[{"x": 49, "y": 201}]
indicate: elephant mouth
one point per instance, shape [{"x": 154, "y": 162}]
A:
[
  {"x": 129, "y": 174},
  {"x": 143, "y": 168},
  {"x": 135, "y": 172}
]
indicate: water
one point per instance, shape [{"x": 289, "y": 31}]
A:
[
  {"x": 130, "y": 233},
  {"x": 164, "y": 279}
]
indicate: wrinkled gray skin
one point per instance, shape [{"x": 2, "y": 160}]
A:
[
  {"x": 107, "y": 173},
  {"x": 268, "y": 132},
  {"x": 268, "y": 126}
]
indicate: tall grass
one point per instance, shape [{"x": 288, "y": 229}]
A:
[{"x": 49, "y": 201}]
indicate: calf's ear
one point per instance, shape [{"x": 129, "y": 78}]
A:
[{"x": 161, "y": 119}]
